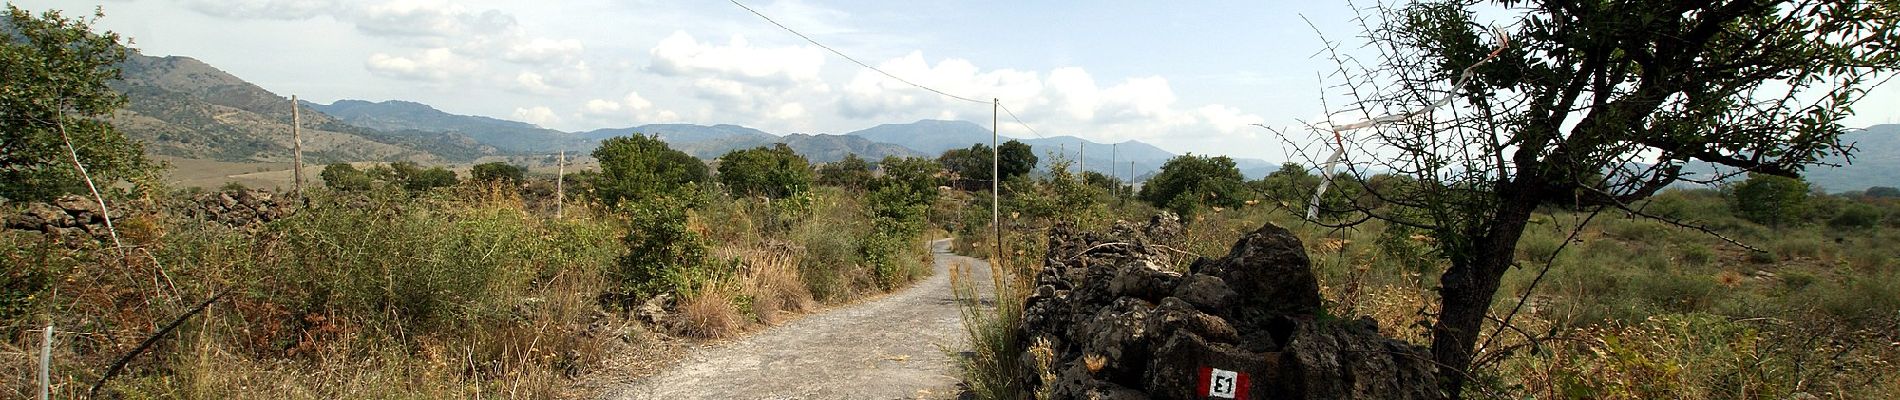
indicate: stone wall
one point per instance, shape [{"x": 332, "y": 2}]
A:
[
  {"x": 1119, "y": 324},
  {"x": 74, "y": 216}
]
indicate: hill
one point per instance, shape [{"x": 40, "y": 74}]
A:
[
  {"x": 409, "y": 117},
  {"x": 1875, "y": 161},
  {"x": 933, "y": 137},
  {"x": 182, "y": 107}
]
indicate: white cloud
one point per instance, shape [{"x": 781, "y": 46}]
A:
[
  {"x": 543, "y": 50},
  {"x": 428, "y": 19},
  {"x": 432, "y": 65},
  {"x": 631, "y": 108},
  {"x": 680, "y": 55},
  {"x": 538, "y": 115},
  {"x": 532, "y": 82},
  {"x": 262, "y": 9},
  {"x": 1067, "y": 102}
]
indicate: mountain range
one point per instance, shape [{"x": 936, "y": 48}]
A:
[{"x": 185, "y": 108}]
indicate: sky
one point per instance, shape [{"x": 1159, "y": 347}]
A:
[{"x": 1187, "y": 77}]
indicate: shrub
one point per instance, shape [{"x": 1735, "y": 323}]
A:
[
  {"x": 57, "y": 75},
  {"x": 660, "y": 250},
  {"x": 1856, "y": 216},
  {"x": 776, "y": 172},
  {"x": 636, "y": 168},
  {"x": 498, "y": 172},
  {"x": 1188, "y": 183},
  {"x": 851, "y": 173},
  {"x": 345, "y": 177},
  {"x": 1769, "y": 200}
]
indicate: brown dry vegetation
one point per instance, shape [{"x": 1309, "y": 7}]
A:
[
  {"x": 472, "y": 291},
  {"x": 1631, "y": 308}
]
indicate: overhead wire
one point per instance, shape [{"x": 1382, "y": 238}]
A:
[
  {"x": 1012, "y": 114},
  {"x": 848, "y": 57}
]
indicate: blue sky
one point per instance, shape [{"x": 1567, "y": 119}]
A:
[{"x": 1187, "y": 76}]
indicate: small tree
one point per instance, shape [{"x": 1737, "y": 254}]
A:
[
  {"x": 1188, "y": 183},
  {"x": 498, "y": 172},
  {"x": 1589, "y": 104},
  {"x": 1769, "y": 200},
  {"x": 851, "y": 173},
  {"x": 425, "y": 179},
  {"x": 345, "y": 177},
  {"x": 776, "y": 172},
  {"x": 973, "y": 166},
  {"x": 55, "y": 75},
  {"x": 1292, "y": 184},
  {"x": 639, "y": 167}
]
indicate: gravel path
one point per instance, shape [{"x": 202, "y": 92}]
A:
[{"x": 886, "y": 348}]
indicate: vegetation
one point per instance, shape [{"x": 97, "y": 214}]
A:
[
  {"x": 775, "y": 173},
  {"x": 973, "y": 167},
  {"x": 1769, "y": 199},
  {"x": 1591, "y": 106},
  {"x": 635, "y": 168},
  {"x": 345, "y": 177},
  {"x": 1189, "y": 183},
  {"x": 852, "y": 173},
  {"x": 499, "y": 172},
  {"x": 56, "y": 93}
]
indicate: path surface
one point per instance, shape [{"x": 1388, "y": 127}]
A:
[{"x": 886, "y": 348}]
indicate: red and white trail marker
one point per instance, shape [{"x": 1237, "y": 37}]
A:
[{"x": 1216, "y": 383}]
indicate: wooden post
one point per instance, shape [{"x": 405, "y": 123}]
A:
[
  {"x": 1081, "y": 158},
  {"x": 46, "y": 364},
  {"x": 296, "y": 132},
  {"x": 560, "y": 186}
]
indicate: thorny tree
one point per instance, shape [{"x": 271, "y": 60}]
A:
[{"x": 1592, "y": 104}]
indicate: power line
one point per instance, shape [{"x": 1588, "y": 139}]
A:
[
  {"x": 853, "y": 60},
  {"x": 1019, "y": 121}
]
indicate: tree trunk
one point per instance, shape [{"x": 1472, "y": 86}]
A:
[{"x": 1467, "y": 289}]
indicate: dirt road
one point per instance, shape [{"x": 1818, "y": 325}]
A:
[{"x": 887, "y": 348}]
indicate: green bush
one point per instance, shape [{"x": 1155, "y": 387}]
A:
[
  {"x": 1856, "y": 216},
  {"x": 1770, "y": 200},
  {"x": 776, "y": 172},
  {"x": 1189, "y": 183},
  {"x": 851, "y": 173},
  {"x": 636, "y": 168},
  {"x": 661, "y": 251},
  {"x": 345, "y": 177},
  {"x": 498, "y": 172}
]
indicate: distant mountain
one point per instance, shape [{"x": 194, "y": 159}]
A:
[
  {"x": 407, "y": 117},
  {"x": 183, "y": 107},
  {"x": 682, "y": 133},
  {"x": 928, "y": 136},
  {"x": 933, "y": 137},
  {"x": 829, "y": 148},
  {"x": 709, "y": 142},
  {"x": 1876, "y": 162}
]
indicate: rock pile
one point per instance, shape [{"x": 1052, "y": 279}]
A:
[
  {"x": 1120, "y": 325},
  {"x": 68, "y": 216},
  {"x": 241, "y": 208}
]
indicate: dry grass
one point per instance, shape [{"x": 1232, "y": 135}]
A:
[{"x": 709, "y": 314}]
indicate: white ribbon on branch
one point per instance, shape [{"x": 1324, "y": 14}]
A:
[{"x": 1340, "y": 137}]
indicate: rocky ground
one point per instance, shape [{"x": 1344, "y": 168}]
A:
[{"x": 1112, "y": 322}]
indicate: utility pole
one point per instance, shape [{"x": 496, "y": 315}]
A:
[
  {"x": 996, "y": 214},
  {"x": 296, "y": 133},
  {"x": 560, "y": 186},
  {"x": 1112, "y": 152}
]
